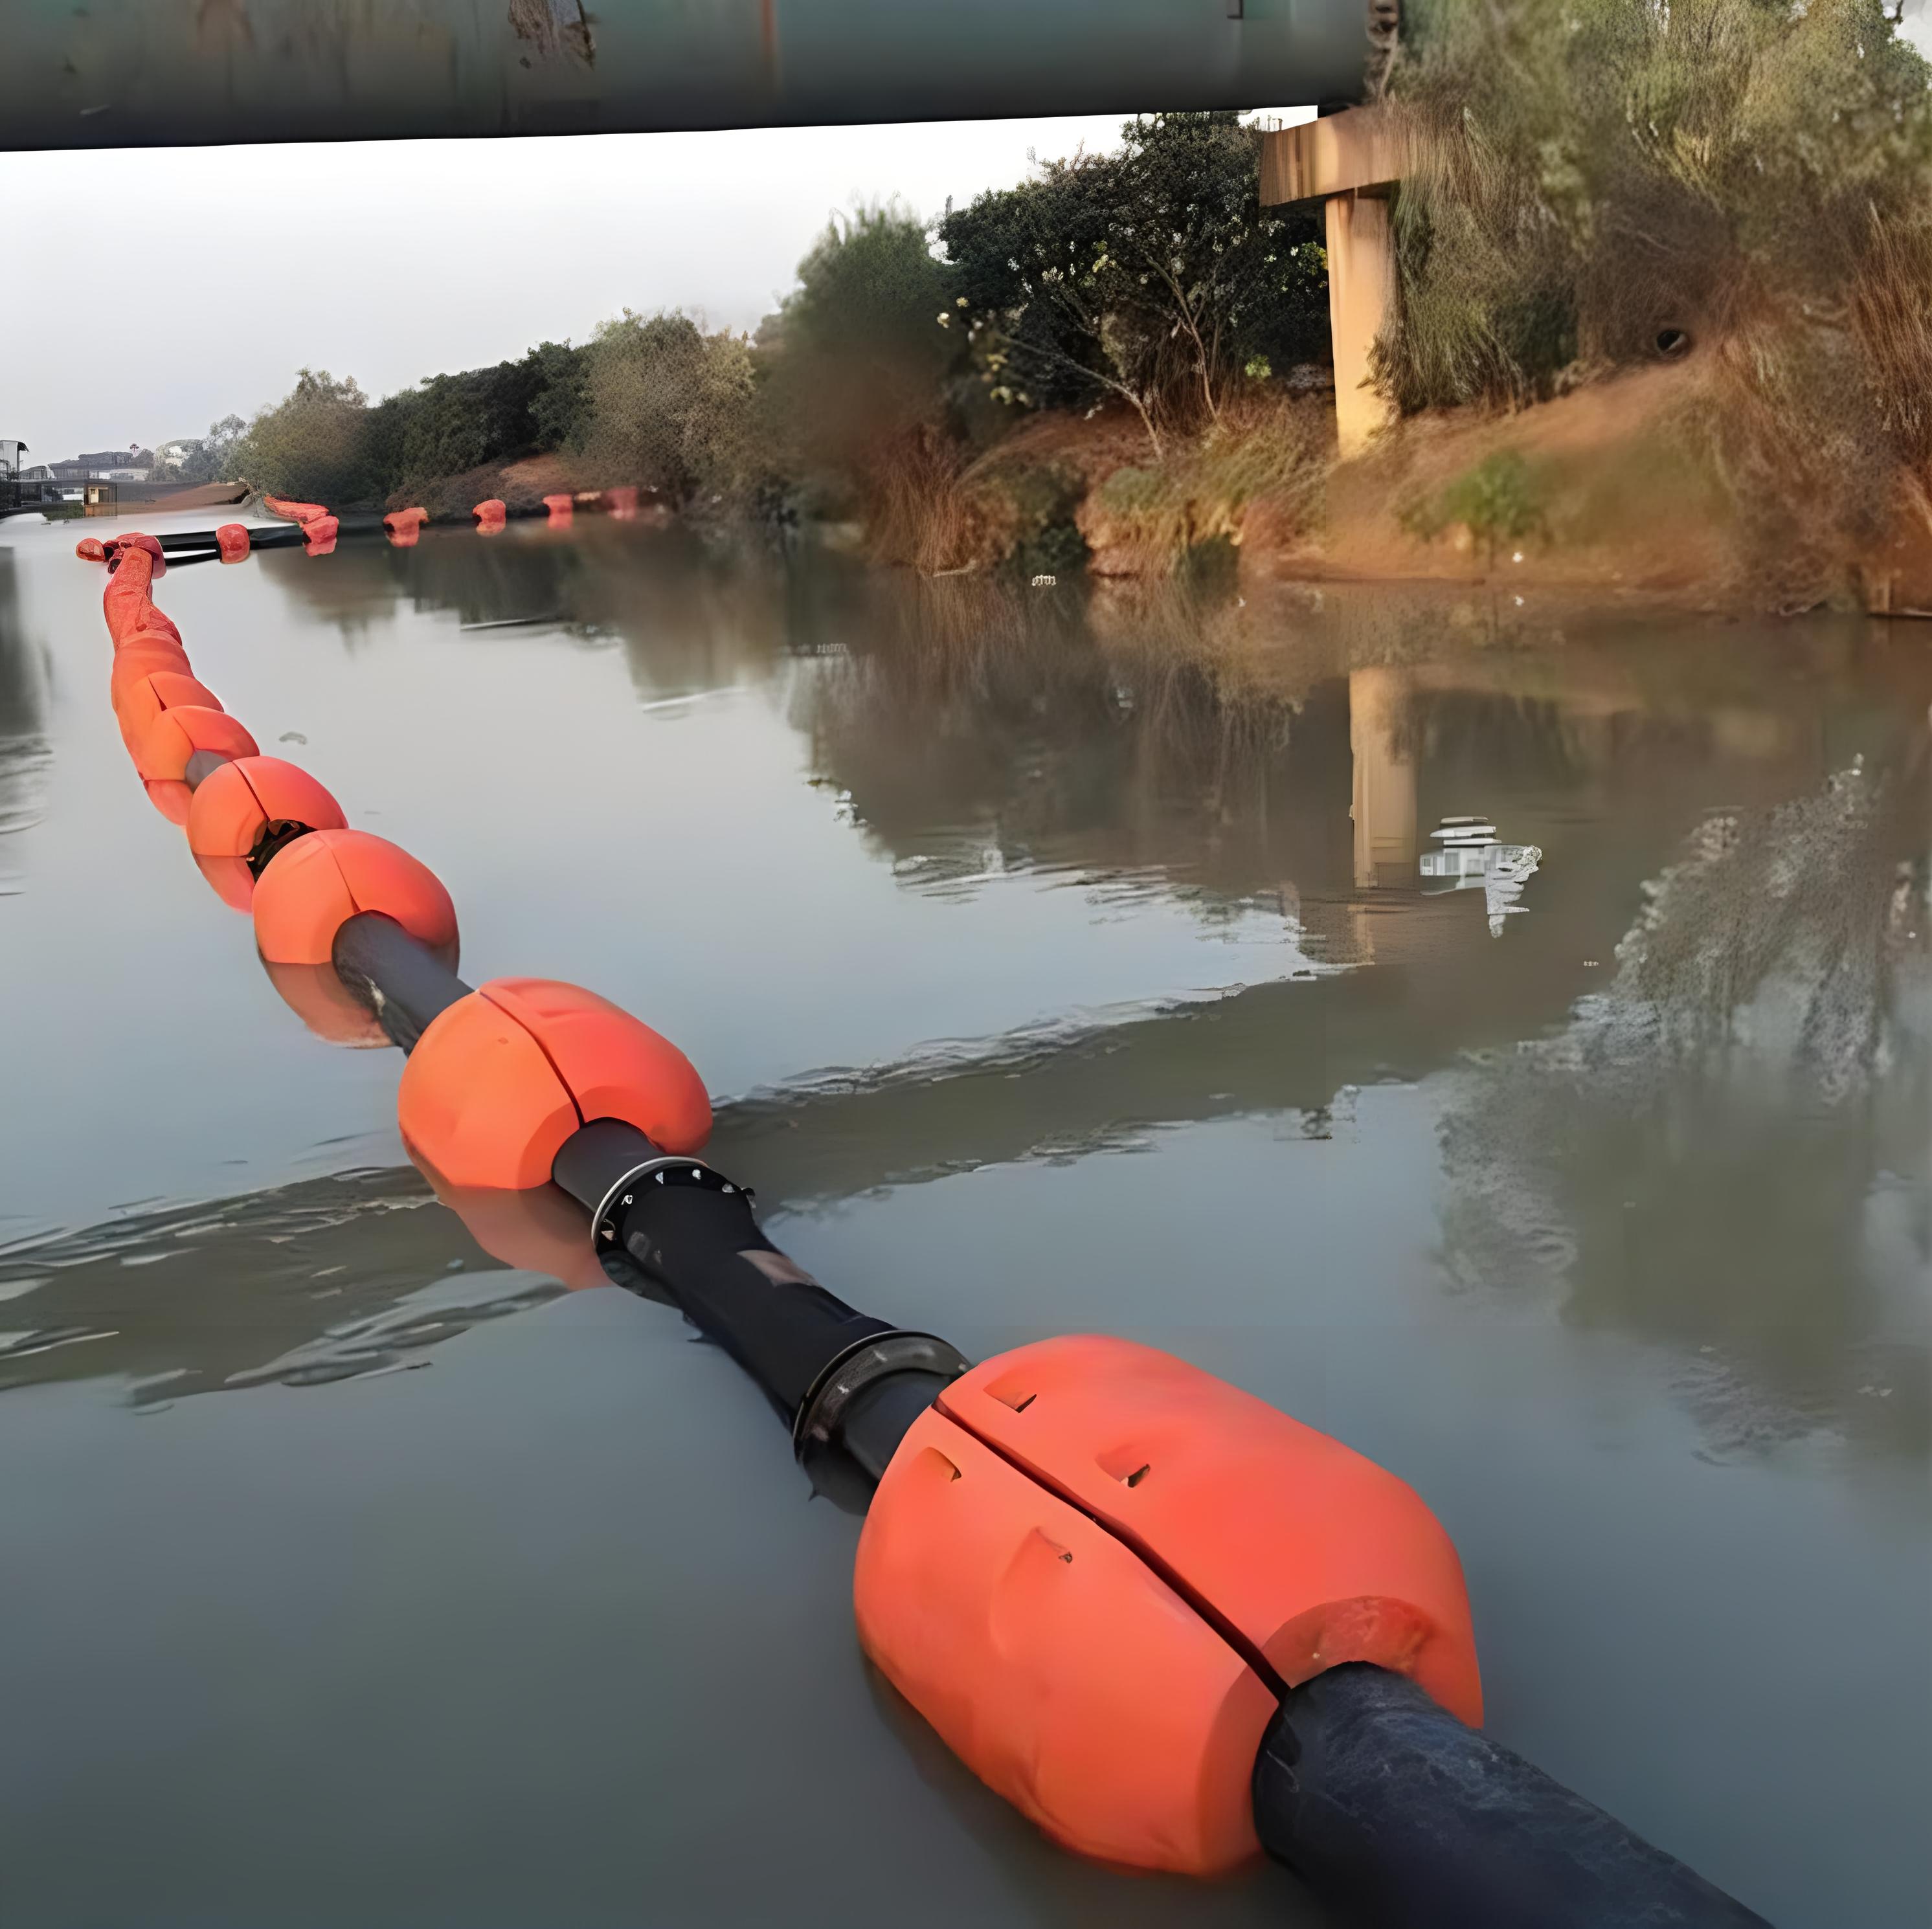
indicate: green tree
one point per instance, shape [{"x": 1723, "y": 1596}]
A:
[
  {"x": 1605, "y": 181},
  {"x": 315, "y": 443},
  {"x": 855, "y": 356},
  {"x": 215, "y": 458},
  {"x": 1151, "y": 275},
  {"x": 669, "y": 406}
]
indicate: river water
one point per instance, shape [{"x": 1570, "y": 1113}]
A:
[{"x": 1059, "y": 961}]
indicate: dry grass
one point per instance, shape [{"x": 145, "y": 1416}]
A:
[
  {"x": 920, "y": 509},
  {"x": 1267, "y": 454}
]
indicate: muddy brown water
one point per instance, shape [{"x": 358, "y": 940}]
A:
[{"x": 1059, "y": 961}]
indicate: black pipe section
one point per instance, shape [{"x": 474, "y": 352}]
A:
[
  {"x": 1385, "y": 1804},
  {"x": 691, "y": 1229},
  {"x": 185, "y": 545},
  {"x": 1379, "y": 1798},
  {"x": 404, "y": 983},
  {"x": 271, "y": 536}
]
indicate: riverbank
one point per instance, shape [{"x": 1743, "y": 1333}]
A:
[{"x": 1641, "y": 487}]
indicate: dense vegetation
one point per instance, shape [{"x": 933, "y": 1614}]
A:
[
  {"x": 1148, "y": 276},
  {"x": 1613, "y": 181},
  {"x": 1593, "y": 186}
]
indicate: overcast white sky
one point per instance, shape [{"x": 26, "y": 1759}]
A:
[{"x": 391, "y": 261}]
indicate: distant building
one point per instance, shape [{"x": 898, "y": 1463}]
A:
[
  {"x": 132, "y": 464},
  {"x": 11, "y": 453}
]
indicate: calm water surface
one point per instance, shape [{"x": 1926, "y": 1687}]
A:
[{"x": 1058, "y": 961}]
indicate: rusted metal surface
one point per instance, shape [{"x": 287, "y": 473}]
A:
[{"x": 142, "y": 73}]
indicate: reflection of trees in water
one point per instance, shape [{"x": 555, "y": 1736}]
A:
[
  {"x": 24, "y": 752},
  {"x": 687, "y": 616},
  {"x": 972, "y": 725},
  {"x": 1727, "y": 1149}
]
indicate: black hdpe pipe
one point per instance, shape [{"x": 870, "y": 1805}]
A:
[
  {"x": 182, "y": 546},
  {"x": 1391, "y": 1809}
]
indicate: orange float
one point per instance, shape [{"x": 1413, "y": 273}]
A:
[
  {"x": 292, "y": 511},
  {"x": 1064, "y": 1672},
  {"x": 499, "y": 1080},
  {"x": 559, "y": 507},
  {"x": 242, "y": 812},
  {"x": 147, "y": 656},
  {"x": 141, "y": 702},
  {"x": 1288, "y": 1551},
  {"x": 232, "y": 540},
  {"x": 311, "y": 888},
  {"x": 398, "y": 519},
  {"x": 177, "y": 734},
  {"x": 126, "y": 603},
  {"x": 91, "y": 548},
  {"x": 491, "y": 512},
  {"x": 148, "y": 621}
]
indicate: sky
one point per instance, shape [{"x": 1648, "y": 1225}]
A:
[{"x": 390, "y": 261}]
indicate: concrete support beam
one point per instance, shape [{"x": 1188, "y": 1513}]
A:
[
  {"x": 1361, "y": 148},
  {"x": 1361, "y": 299},
  {"x": 1349, "y": 162}
]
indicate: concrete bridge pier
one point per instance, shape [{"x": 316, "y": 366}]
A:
[{"x": 1350, "y": 162}]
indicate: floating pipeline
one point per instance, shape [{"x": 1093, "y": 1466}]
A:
[
  {"x": 1172, "y": 1625},
  {"x": 314, "y": 530}
]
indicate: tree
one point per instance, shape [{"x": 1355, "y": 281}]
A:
[
  {"x": 213, "y": 458},
  {"x": 855, "y": 356},
  {"x": 315, "y": 442},
  {"x": 669, "y": 406},
  {"x": 1151, "y": 275}
]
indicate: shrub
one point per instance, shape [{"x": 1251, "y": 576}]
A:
[{"x": 1499, "y": 500}]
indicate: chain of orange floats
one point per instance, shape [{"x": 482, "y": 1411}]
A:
[{"x": 1105, "y": 1577}]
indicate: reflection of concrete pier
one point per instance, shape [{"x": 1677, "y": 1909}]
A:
[{"x": 1383, "y": 808}]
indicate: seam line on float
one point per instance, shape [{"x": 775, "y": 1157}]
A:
[
  {"x": 1257, "y": 1662},
  {"x": 556, "y": 1070}
]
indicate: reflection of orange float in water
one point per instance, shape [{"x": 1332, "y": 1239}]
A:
[
  {"x": 316, "y": 995},
  {"x": 538, "y": 1230},
  {"x": 559, "y": 507},
  {"x": 621, "y": 503}
]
